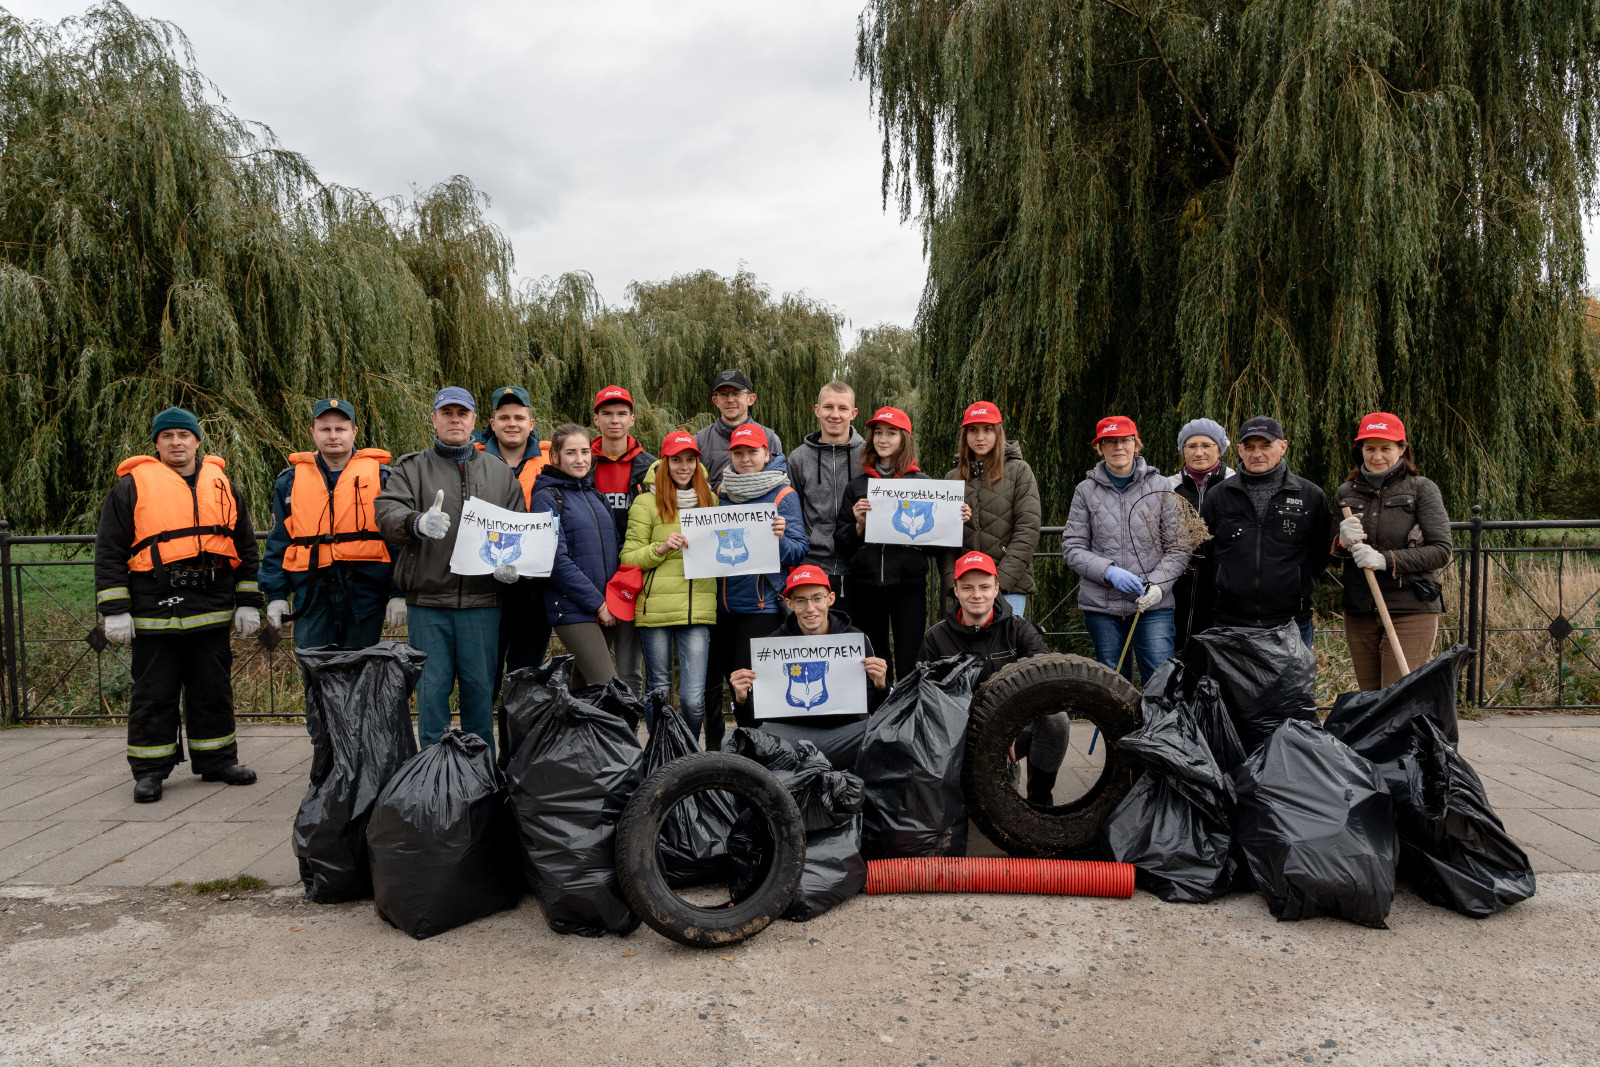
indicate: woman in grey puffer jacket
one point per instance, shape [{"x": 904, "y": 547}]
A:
[
  {"x": 1004, "y": 499},
  {"x": 1122, "y": 538}
]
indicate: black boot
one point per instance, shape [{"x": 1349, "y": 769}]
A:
[
  {"x": 1041, "y": 788},
  {"x": 233, "y": 774},
  {"x": 147, "y": 790}
]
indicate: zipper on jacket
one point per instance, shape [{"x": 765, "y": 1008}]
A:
[{"x": 461, "y": 471}]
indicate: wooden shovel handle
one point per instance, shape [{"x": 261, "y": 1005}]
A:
[{"x": 1383, "y": 614}]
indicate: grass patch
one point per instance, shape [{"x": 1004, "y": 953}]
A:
[{"x": 244, "y": 883}]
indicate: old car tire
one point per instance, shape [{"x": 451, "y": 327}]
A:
[
  {"x": 1009, "y": 701},
  {"x": 639, "y": 872}
]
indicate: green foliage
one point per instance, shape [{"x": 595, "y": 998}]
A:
[
  {"x": 882, "y": 368},
  {"x": 1172, "y": 208}
]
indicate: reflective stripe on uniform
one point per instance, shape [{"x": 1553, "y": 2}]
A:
[
  {"x": 209, "y": 744},
  {"x": 187, "y": 622},
  {"x": 152, "y": 751},
  {"x": 246, "y": 587},
  {"x": 116, "y": 592}
]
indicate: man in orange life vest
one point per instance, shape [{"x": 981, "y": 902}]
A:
[
  {"x": 524, "y": 630},
  {"x": 325, "y": 549},
  {"x": 174, "y": 570},
  {"x": 620, "y": 464}
]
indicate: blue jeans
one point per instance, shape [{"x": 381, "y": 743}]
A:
[
  {"x": 694, "y": 649},
  {"x": 1152, "y": 640},
  {"x": 463, "y": 645},
  {"x": 1018, "y": 602},
  {"x": 1307, "y": 632}
]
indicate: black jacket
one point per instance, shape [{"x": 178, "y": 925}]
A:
[
  {"x": 1261, "y": 572},
  {"x": 838, "y": 623},
  {"x": 1183, "y": 590},
  {"x": 875, "y": 564},
  {"x": 149, "y": 596},
  {"x": 1003, "y": 640}
]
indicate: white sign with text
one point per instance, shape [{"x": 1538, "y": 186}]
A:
[
  {"x": 728, "y": 541},
  {"x": 924, "y": 512},
  {"x": 809, "y": 675},
  {"x": 489, "y": 535}
]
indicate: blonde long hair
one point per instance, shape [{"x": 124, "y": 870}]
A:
[{"x": 994, "y": 467}]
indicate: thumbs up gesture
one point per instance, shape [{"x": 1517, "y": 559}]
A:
[{"x": 434, "y": 522}]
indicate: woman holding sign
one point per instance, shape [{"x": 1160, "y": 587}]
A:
[
  {"x": 586, "y": 555},
  {"x": 1003, "y": 520},
  {"x": 748, "y": 604},
  {"x": 673, "y": 611},
  {"x": 891, "y": 579}
]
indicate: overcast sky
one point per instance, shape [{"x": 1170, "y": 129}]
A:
[{"x": 633, "y": 140}]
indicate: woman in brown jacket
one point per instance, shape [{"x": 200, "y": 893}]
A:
[
  {"x": 1399, "y": 529},
  {"x": 1004, "y": 499}
]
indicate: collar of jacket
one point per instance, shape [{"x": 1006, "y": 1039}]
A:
[
  {"x": 1366, "y": 488},
  {"x": 554, "y": 476},
  {"x": 1001, "y": 610},
  {"x": 814, "y": 440},
  {"x": 449, "y": 451},
  {"x": 598, "y": 448},
  {"x": 1291, "y": 480},
  {"x": 724, "y": 430},
  {"x": 1141, "y": 471},
  {"x": 872, "y": 472},
  {"x": 838, "y": 623},
  {"x": 491, "y": 443}
]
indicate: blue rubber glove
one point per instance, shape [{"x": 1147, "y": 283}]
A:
[{"x": 1125, "y": 581}]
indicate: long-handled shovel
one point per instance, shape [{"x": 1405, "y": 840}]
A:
[{"x": 1383, "y": 615}]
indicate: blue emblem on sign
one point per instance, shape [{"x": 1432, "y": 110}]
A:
[
  {"x": 731, "y": 547},
  {"x": 913, "y": 518},
  {"x": 808, "y": 684},
  {"x": 498, "y": 547}
]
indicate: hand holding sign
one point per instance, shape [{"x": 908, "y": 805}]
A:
[
  {"x": 802, "y": 675},
  {"x": 507, "y": 544},
  {"x": 922, "y": 512},
  {"x": 726, "y": 541}
]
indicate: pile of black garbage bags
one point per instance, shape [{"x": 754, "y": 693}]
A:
[
  {"x": 1243, "y": 789},
  {"x": 442, "y": 837}
]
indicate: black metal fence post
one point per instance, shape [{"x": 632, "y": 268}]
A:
[{"x": 12, "y": 710}]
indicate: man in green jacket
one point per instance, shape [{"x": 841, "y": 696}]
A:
[{"x": 454, "y": 618}]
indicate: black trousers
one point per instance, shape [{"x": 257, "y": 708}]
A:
[
  {"x": 524, "y": 640},
  {"x": 901, "y": 608},
  {"x": 194, "y": 669},
  {"x": 730, "y": 651}
]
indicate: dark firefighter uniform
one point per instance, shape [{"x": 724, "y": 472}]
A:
[
  {"x": 325, "y": 548},
  {"x": 180, "y": 556},
  {"x": 524, "y": 629}
]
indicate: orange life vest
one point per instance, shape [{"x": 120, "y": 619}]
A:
[
  {"x": 531, "y": 466},
  {"x": 172, "y": 522},
  {"x": 341, "y": 525}
]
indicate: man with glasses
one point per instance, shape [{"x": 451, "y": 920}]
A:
[{"x": 838, "y": 737}]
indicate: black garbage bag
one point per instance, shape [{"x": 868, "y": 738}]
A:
[
  {"x": 1176, "y": 824},
  {"x": 577, "y": 765},
  {"x": 830, "y": 804},
  {"x": 1317, "y": 828},
  {"x": 841, "y": 744},
  {"x": 442, "y": 839},
  {"x": 1211, "y": 715},
  {"x": 1454, "y": 850},
  {"x": 910, "y": 761},
  {"x": 358, "y": 709},
  {"x": 521, "y": 692},
  {"x": 1378, "y": 723},
  {"x": 1264, "y": 676},
  {"x": 693, "y": 848}
]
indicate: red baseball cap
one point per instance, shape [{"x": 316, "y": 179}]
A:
[
  {"x": 975, "y": 561},
  {"x": 748, "y": 435},
  {"x": 679, "y": 441},
  {"x": 806, "y": 575},
  {"x": 1114, "y": 426},
  {"x": 891, "y": 417},
  {"x": 1382, "y": 426},
  {"x": 983, "y": 413},
  {"x": 612, "y": 394},
  {"x": 622, "y": 592}
]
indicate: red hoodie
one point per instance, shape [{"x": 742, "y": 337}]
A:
[{"x": 621, "y": 479}]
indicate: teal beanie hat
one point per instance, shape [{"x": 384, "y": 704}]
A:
[{"x": 174, "y": 419}]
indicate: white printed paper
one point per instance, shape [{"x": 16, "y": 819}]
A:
[
  {"x": 489, "y": 535},
  {"x": 925, "y": 512},
  {"x": 809, "y": 675},
  {"x": 727, "y": 541}
]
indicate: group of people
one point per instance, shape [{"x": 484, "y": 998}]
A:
[{"x": 361, "y": 541}]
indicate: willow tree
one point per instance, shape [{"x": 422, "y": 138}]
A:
[
  {"x": 882, "y": 367},
  {"x": 155, "y": 249},
  {"x": 1169, "y": 208},
  {"x": 694, "y": 325}
]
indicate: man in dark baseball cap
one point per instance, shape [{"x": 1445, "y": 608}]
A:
[
  {"x": 1271, "y": 535},
  {"x": 733, "y": 395}
]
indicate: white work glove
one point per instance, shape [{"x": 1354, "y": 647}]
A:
[
  {"x": 1369, "y": 558},
  {"x": 246, "y": 621},
  {"x": 276, "y": 610},
  {"x": 434, "y": 522},
  {"x": 507, "y": 573},
  {"x": 394, "y": 615},
  {"x": 1149, "y": 598},
  {"x": 1351, "y": 532},
  {"x": 119, "y": 629}
]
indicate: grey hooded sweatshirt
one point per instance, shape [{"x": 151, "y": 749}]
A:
[
  {"x": 819, "y": 472},
  {"x": 1134, "y": 529}
]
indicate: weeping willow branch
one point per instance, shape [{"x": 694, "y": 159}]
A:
[{"x": 1172, "y": 78}]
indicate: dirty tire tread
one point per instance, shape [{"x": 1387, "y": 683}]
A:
[
  {"x": 639, "y": 830},
  {"x": 1007, "y": 702}
]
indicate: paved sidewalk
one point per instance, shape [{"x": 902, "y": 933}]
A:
[{"x": 67, "y": 814}]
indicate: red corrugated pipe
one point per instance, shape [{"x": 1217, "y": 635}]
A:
[{"x": 999, "y": 874}]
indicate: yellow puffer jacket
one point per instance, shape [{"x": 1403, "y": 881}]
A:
[{"x": 668, "y": 598}]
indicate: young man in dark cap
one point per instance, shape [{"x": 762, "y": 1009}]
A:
[
  {"x": 454, "y": 618},
  {"x": 733, "y": 396},
  {"x": 524, "y": 627},
  {"x": 325, "y": 549},
  {"x": 1271, "y": 535},
  {"x": 620, "y": 464},
  {"x": 174, "y": 570}
]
